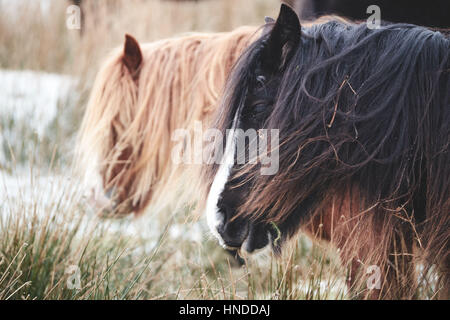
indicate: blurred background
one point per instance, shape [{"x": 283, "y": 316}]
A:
[{"x": 34, "y": 33}]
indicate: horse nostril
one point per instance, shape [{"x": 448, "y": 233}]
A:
[
  {"x": 258, "y": 237},
  {"x": 234, "y": 232}
]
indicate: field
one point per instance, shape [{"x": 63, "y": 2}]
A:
[{"x": 52, "y": 245}]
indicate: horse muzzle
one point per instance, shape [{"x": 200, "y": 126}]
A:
[
  {"x": 239, "y": 234},
  {"x": 105, "y": 205}
]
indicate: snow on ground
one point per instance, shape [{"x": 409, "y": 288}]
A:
[
  {"x": 28, "y": 99},
  {"x": 29, "y": 103},
  {"x": 33, "y": 97}
]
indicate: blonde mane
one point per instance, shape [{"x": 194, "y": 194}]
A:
[{"x": 126, "y": 131}]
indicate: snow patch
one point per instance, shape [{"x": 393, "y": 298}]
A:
[{"x": 33, "y": 97}]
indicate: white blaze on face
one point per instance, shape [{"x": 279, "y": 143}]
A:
[{"x": 213, "y": 216}]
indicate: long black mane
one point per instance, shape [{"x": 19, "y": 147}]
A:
[
  {"x": 354, "y": 106},
  {"x": 364, "y": 133}
]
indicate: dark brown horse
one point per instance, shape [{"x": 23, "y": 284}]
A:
[{"x": 364, "y": 132}]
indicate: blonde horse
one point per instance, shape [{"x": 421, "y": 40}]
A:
[{"x": 143, "y": 93}]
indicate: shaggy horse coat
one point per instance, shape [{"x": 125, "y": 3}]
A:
[
  {"x": 364, "y": 161},
  {"x": 140, "y": 96}
]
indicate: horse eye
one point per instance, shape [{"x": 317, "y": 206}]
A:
[{"x": 261, "y": 79}]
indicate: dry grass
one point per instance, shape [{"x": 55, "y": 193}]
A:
[
  {"x": 43, "y": 236},
  {"x": 41, "y": 241}
]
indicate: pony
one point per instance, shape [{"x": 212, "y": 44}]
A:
[
  {"x": 363, "y": 120},
  {"x": 141, "y": 94}
]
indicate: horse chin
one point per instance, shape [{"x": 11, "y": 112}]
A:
[{"x": 250, "y": 247}]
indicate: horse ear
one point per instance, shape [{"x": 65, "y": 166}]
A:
[
  {"x": 268, "y": 26},
  {"x": 268, "y": 20},
  {"x": 132, "y": 55},
  {"x": 284, "y": 37}
]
